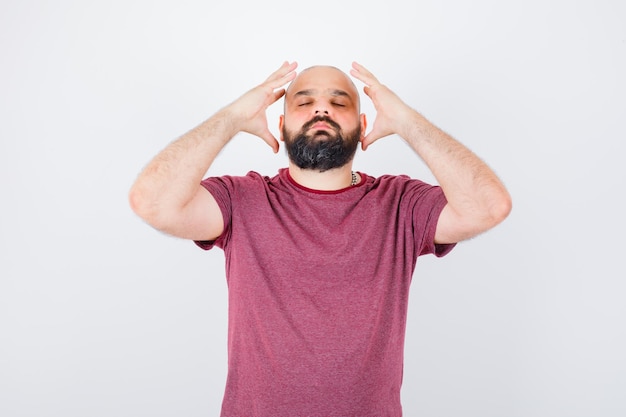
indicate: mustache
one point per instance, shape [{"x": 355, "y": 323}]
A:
[{"x": 324, "y": 119}]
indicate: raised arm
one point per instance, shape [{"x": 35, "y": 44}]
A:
[
  {"x": 477, "y": 199},
  {"x": 167, "y": 194}
]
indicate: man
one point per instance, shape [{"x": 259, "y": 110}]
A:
[{"x": 319, "y": 258}]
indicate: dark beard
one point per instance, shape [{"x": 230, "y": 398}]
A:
[{"x": 321, "y": 150}]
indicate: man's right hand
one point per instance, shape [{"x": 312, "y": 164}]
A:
[
  {"x": 248, "y": 112},
  {"x": 167, "y": 193}
]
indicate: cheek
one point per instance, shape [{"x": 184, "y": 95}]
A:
[
  {"x": 347, "y": 123},
  {"x": 295, "y": 121}
]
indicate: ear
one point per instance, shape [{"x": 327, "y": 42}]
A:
[
  {"x": 363, "y": 125},
  {"x": 281, "y": 123}
]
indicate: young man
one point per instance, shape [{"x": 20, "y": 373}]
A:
[{"x": 319, "y": 258}]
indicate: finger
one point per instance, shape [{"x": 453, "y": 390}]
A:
[
  {"x": 363, "y": 78},
  {"x": 373, "y": 136},
  {"x": 356, "y": 74},
  {"x": 362, "y": 74},
  {"x": 368, "y": 140},
  {"x": 367, "y": 73},
  {"x": 283, "y": 75},
  {"x": 270, "y": 140},
  {"x": 278, "y": 94},
  {"x": 360, "y": 68},
  {"x": 368, "y": 92},
  {"x": 282, "y": 70}
]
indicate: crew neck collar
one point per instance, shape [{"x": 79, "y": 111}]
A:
[{"x": 311, "y": 190}]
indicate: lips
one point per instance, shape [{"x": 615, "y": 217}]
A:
[{"x": 320, "y": 125}]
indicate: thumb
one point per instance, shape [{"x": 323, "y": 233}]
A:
[
  {"x": 371, "y": 137},
  {"x": 270, "y": 140}
]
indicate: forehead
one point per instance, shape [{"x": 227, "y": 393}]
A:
[{"x": 322, "y": 80}]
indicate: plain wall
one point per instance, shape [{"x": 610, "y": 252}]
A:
[{"x": 100, "y": 315}]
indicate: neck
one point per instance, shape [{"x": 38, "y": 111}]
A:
[{"x": 331, "y": 180}]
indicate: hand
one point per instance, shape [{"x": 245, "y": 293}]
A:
[
  {"x": 391, "y": 111},
  {"x": 248, "y": 111}
]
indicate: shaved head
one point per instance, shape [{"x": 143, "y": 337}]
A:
[
  {"x": 323, "y": 77},
  {"x": 321, "y": 125}
]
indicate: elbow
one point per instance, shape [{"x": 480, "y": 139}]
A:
[
  {"x": 155, "y": 211},
  {"x": 135, "y": 201},
  {"x": 142, "y": 206},
  {"x": 500, "y": 209}
]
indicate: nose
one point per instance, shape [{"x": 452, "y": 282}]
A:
[{"x": 321, "y": 108}]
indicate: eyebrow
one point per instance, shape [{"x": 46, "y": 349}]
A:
[{"x": 310, "y": 92}]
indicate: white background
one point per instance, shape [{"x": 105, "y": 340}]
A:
[{"x": 100, "y": 315}]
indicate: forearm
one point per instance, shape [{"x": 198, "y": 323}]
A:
[
  {"x": 171, "y": 178},
  {"x": 472, "y": 189},
  {"x": 477, "y": 200}
]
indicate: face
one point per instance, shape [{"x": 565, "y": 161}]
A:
[{"x": 321, "y": 126}]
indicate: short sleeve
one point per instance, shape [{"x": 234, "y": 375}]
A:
[
  {"x": 221, "y": 189},
  {"x": 428, "y": 202}
]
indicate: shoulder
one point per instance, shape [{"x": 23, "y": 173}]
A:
[
  {"x": 405, "y": 192},
  {"x": 251, "y": 179},
  {"x": 397, "y": 183}
]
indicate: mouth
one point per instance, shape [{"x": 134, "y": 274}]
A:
[
  {"x": 320, "y": 126},
  {"x": 322, "y": 123}
]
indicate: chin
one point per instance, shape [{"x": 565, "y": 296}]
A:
[{"x": 321, "y": 134}]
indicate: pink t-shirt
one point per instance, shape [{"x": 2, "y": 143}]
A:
[{"x": 318, "y": 287}]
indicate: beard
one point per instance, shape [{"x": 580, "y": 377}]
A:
[{"x": 321, "y": 150}]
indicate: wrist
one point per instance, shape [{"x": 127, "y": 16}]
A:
[
  {"x": 227, "y": 122},
  {"x": 414, "y": 125}
]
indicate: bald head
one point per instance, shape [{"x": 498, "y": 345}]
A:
[
  {"x": 322, "y": 102},
  {"x": 321, "y": 126},
  {"x": 323, "y": 79}
]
